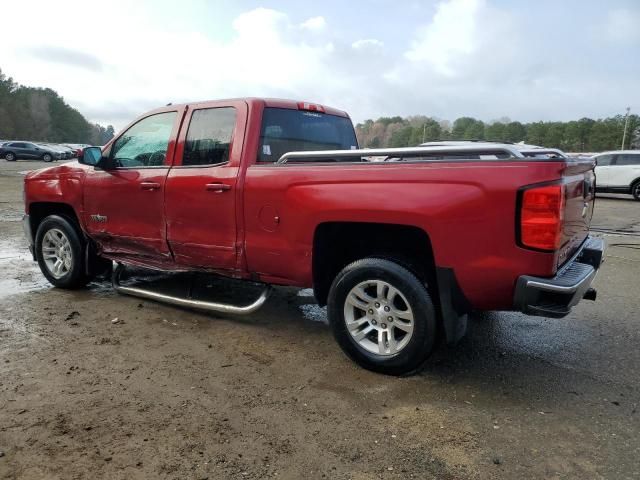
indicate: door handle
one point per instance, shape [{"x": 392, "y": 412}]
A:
[
  {"x": 217, "y": 187},
  {"x": 150, "y": 186}
]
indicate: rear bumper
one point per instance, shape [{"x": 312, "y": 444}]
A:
[{"x": 554, "y": 297}]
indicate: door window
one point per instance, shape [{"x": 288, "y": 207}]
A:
[
  {"x": 145, "y": 143},
  {"x": 209, "y": 136},
  {"x": 604, "y": 160},
  {"x": 628, "y": 159}
]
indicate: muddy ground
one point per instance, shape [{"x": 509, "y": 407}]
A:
[{"x": 170, "y": 393}]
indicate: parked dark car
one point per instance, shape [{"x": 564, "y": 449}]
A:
[
  {"x": 65, "y": 153},
  {"x": 12, "y": 151}
]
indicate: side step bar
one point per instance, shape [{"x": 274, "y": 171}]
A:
[{"x": 187, "y": 302}]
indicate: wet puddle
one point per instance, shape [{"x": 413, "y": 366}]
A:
[
  {"x": 311, "y": 310},
  {"x": 20, "y": 274}
]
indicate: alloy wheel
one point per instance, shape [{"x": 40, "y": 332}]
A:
[
  {"x": 378, "y": 317},
  {"x": 56, "y": 252}
]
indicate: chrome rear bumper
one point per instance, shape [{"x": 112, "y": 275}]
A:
[{"x": 554, "y": 297}]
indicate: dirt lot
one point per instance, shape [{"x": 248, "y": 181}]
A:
[{"x": 169, "y": 393}]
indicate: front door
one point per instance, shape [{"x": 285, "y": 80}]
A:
[
  {"x": 124, "y": 206},
  {"x": 202, "y": 192},
  {"x": 31, "y": 151},
  {"x": 626, "y": 169}
]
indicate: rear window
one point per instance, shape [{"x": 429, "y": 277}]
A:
[
  {"x": 285, "y": 130},
  {"x": 544, "y": 154}
]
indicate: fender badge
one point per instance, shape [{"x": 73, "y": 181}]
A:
[{"x": 99, "y": 218}]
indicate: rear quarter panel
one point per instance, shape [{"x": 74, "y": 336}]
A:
[{"x": 468, "y": 209}]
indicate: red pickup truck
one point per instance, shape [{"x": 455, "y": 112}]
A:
[{"x": 401, "y": 244}]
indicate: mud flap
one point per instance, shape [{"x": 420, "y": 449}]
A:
[{"x": 453, "y": 306}]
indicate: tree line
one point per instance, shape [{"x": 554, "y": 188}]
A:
[
  {"x": 41, "y": 115},
  {"x": 584, "y": 135}
]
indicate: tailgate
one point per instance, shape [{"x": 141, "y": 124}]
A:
[{"x": 579, "y": 180}]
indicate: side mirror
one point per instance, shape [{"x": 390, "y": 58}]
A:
[{"x": 92, "y": 156}]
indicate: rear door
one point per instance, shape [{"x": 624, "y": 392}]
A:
[
  {"x": 625, "y": 169},
  {"x": 202, "y": 191},
  {"x": 19, "y": 149}
]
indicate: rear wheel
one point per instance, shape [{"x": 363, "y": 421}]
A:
[
  {"x": 10, "y": 157},
  {"x": 59, "y": 249},
  {"x": 382, "y": 316},
  {"x": 47, "y": 157},
  {"x": 635, "y": 190}
]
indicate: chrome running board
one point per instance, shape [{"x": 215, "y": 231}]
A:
[{"x": 188, "y": 302}]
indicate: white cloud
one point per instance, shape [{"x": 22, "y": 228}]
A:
[
  {"x": 367, "y": 43},
  {"x": 314, "y": 23},
  {"x": 623, "y": 25},
  {"x": 451, "y": 34},
  {"x": 144, "y": 65},
  {"x": 470, "y": 57}
]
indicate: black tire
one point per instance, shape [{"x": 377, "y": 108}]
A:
[
  {"x": 47, "y": 157},
  {"x": 75, "y": 277},
  {"x": 410, "y": 358},
  {"x": 10, "y": 157},
  {"x": 635, "y": 190}
]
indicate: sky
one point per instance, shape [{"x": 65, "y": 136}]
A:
[{"x": 490, "y": 59}]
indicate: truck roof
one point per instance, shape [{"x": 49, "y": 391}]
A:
[{"x": 273, "y": 103}]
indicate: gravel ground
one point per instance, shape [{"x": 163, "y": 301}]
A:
[{"x": 170, "y": 393}]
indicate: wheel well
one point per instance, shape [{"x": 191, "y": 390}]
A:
[
  {"x": 337, "y": 244},
  {"x": 38, "y": 211}
]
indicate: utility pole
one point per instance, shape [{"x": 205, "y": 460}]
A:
[
  {"x": 626, "y": 124},
  {"x": 424, "y": 132}
]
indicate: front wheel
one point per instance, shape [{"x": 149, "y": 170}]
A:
[
  {"x": 382, "y": 316},
  {"x": 635, "y": 190},
  {"x": 59, "y": 249},
  {"x": 47, "y": 157}
]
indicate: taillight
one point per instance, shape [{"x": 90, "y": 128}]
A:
[
  {"x": 541, "y": 217},
  {"x": 311, "y": 107}
]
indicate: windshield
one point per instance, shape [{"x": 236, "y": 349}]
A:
[{"x": 285, "y": 130}]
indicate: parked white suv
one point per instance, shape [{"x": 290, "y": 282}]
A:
[{"x": 618, "y": 172}]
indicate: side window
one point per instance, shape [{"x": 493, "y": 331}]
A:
[
  {"x": 628, "y": 159},
  {"x": 145, "y": 143},
  {"x": 604, "y": 160},
  {"x": 209, "y": 136}
]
